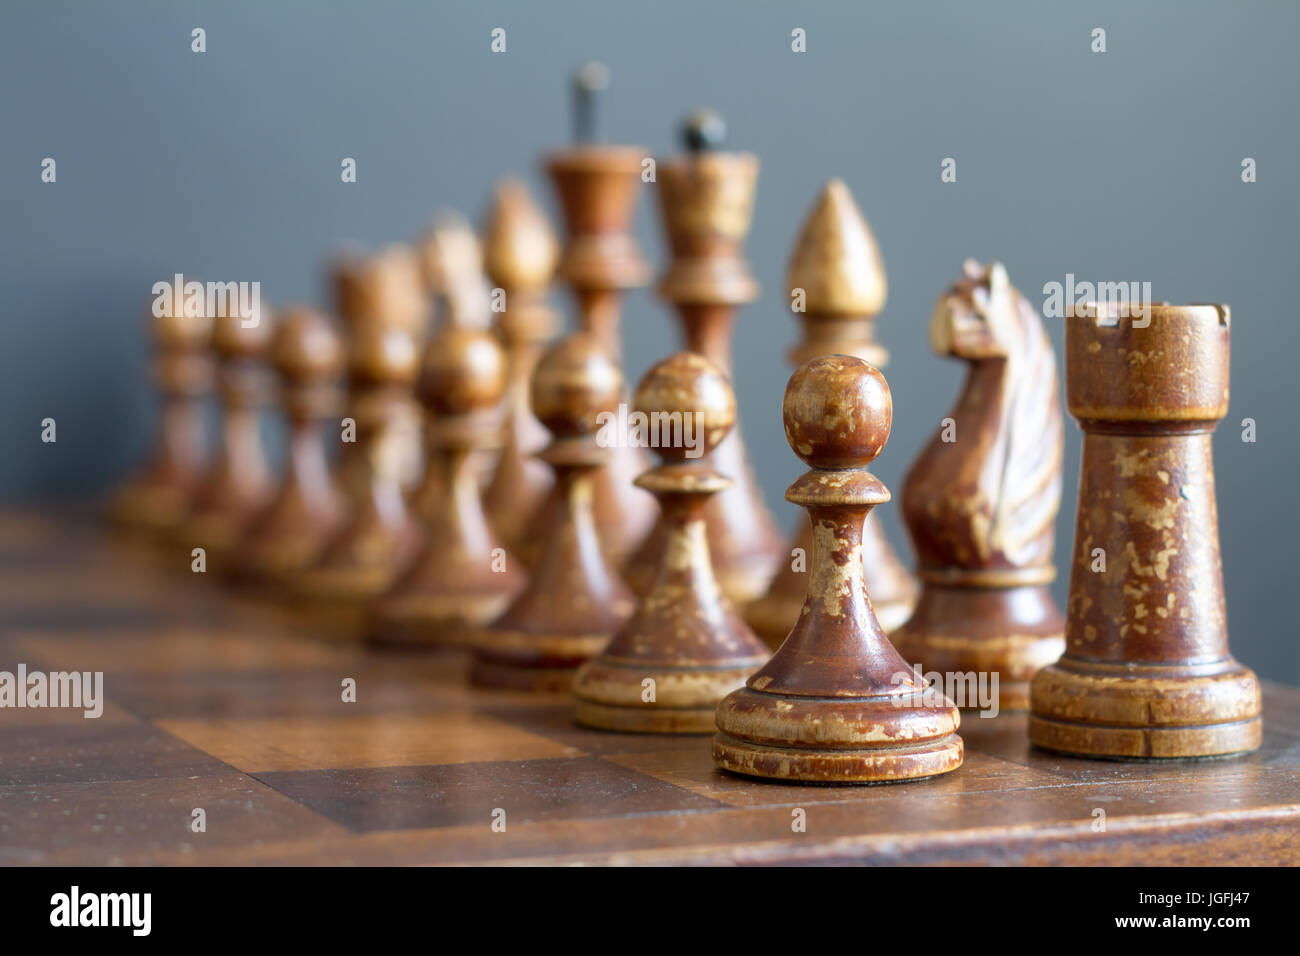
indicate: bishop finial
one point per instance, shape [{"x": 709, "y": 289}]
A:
[
  {"x": 836, "y": 260},
  {"x": 520, "y": 250}
]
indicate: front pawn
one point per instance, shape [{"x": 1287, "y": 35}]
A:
[
  {"x": 574, "y": 600},
  {"x": 837, "y": 704},
  {"x": 685, "y": 647}
]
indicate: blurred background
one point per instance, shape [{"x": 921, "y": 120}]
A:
[{"x": 1123, "y": 165}]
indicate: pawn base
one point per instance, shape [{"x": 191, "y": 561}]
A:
[
  {"x": 647, "y": 720},
  {"x": 526, "y": 661},
  {"x": 432, "y": 620},
  {"x": 510, "y": 675},
  {"x": 842, "y": 740},
  {"x": 336, "y": 601},
  {"x": 342, "y": 585},
  {"x": 1137, "y": 712},
  {"x": 609, "y": 695},
  {"x": 837, "y": 766},
  {"x": 217, "y": 533},
  {"x": 974, "y": 630},
  {"x": 149, "y": 509}
]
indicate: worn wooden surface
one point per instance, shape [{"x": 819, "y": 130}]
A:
[{"x": 225, "y": 703}]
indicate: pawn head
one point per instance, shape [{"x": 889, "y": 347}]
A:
[
  {"x": 573, "y": 383},
  {"x": 306, "y": 347},
  {"x": 382, "y": 355},
  {"x": 837, "y": 412},
  {"x": 689, "y": 405},
  {"x": 176, "y": 330},
  {"x": 464, "y": 372},
  {"x": 235, "y": 336}
]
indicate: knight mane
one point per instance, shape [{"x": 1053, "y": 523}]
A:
[{"x": 1029, "y": 490}]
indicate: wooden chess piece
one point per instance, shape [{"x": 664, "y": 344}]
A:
[
  {"x": 707, "y": 199},
  {"x": 240, "y": 483},
  {"x": 980, "y": 501},
  {"x": 837, "y": 704},
  {"x": 1147, "y": 671},
  {"x": 159, "y": 496},
  {"x": 463, "y": 577},
  {"x": 837, "y": 285},
  {"x": 384, "y": 287},
  {"x": 598, "y": 187},
  {"x": 521, "y": 253},
  {"x": 451, "y": 261},
  {"x": 380, "y": 536},
  {"x": 308, "y": 354},
  {"x": 575, "y": 599},
  {"x": 685, "y": 636}
]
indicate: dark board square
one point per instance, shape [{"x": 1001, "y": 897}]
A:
[
  {"x": 96, "y": 752},
  {"x": 133, "y": 821}
]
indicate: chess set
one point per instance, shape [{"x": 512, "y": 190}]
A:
[{"x": 504, "y": 606}]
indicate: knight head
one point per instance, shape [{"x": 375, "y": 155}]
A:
[{"x": 976, "y": 317}]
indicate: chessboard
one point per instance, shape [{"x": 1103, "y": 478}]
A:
[{"x": 233, "y": 705}]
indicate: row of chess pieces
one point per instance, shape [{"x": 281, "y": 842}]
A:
[{"x": 474, "y": 506}]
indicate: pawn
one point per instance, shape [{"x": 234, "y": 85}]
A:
[
  {"x": 307, "y": 353},
  {"x": 837, "y": 704},
  {"x": 380, "y": 536},
  {"x": 685, "y": 636},
  {"x": 575, "y": 599},
  {"x": 240, "y": 483},
  {"x": 159, "y": 496},
  {"x": 463, "y": 577}
]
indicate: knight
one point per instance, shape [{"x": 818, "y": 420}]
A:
[{"x": 981, "y": 499}]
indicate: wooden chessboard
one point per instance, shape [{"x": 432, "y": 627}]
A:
[{"x": 231, "y": 704}]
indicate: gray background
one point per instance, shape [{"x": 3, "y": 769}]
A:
[{"x": 225, "y": 165}]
